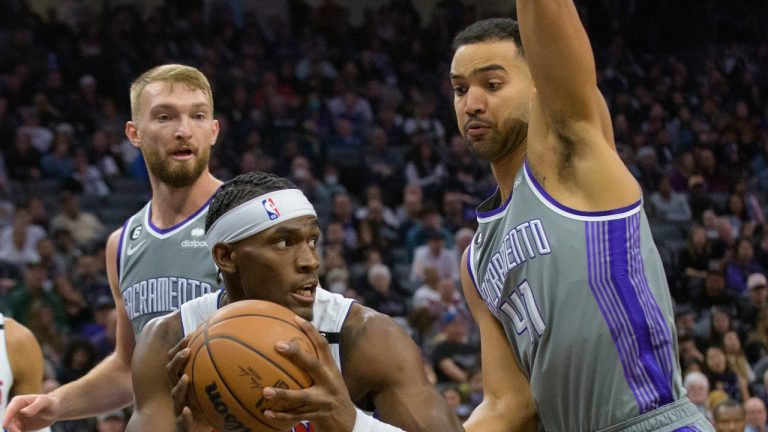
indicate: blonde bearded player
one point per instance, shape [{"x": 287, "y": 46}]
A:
[{"x": 173, "y": 126}]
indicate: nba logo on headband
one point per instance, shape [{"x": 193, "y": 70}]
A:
[{"x": 271, "y": 208}]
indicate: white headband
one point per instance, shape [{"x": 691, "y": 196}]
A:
[{"x": 258, "y": 214}]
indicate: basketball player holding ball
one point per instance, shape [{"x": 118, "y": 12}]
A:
[
  {"x": 270, "y": 258},
  {"x": 562, "y": 276}
]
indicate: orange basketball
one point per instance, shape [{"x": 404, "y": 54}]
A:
[{"x": 233, "y": 357}]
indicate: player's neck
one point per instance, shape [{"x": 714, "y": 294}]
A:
[
  {"x": 505, "y": 169},
  {"x": 172, "y": 205}
]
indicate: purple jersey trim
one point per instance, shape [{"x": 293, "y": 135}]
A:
[
  {"x": 497, "y": 210},
  {"x": 641, "y": 337},
  {"x": 567, "y": 209},
  {"x": 169, "y": 229}
]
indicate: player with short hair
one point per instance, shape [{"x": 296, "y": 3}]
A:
[
  {"x": 562, "y": 276},
  {"x": 158, "y": 259},
  {"x": 263, "y": 235}
]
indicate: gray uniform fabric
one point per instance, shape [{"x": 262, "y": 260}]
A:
[
  {"x": 160, "y": 269},
  {"x": 584, "y": 302}
]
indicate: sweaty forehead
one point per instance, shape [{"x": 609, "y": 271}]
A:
[{"x": 470, "y": 58}]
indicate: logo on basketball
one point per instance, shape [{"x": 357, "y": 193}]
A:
[
  {"x": 270, "y": 208},
  {"x": 231, "y": 423},
  {"x": 136, "y": 233}
]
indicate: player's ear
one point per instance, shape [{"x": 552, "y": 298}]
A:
[{"x": 224, "y": 256}]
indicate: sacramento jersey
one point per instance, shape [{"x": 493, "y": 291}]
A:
[
  {"x": 160, "y": 269},
  {"x": 585, "y": 305},
  {"x": 328, "y": 315}
]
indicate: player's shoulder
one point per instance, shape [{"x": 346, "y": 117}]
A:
[
  {"x": 365, "y": 326},
  {"x": 15, "y": 332}
]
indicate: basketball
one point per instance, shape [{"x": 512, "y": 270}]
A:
[{"x": 233, "y": 357}]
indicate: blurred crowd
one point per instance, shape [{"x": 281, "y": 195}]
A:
[{"x": 361, "y": 119}]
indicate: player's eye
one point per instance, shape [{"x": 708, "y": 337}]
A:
[
  {"x": 493, "y": 86},
  {"x": 281, "y": 244},
  {"x": 163, "y": 117},
  {"x": 459, "y": 90},
  {"x": 201, "y": 116},
  {"x": 313, "y": 242}
]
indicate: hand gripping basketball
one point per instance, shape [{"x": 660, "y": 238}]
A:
[
  {"x": 179, "y": 381},
  {"x": 326, "y": 404}
]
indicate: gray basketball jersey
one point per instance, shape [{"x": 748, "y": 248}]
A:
[
  {"x": 160, "y": 269},
  {"x": 583, "y": 299}
]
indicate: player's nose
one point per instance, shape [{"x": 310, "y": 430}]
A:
[
  {"x": 476, "y": 101},
  {"x": 307, "y": 260}
]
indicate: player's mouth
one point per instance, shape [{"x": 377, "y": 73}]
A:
[
  {"x": 305, "y": 293},
  {"x": 182, "y": 154},
  {"x": 475, "y": 129}
]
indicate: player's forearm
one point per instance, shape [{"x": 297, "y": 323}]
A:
[{"x": 106, "y": 387}]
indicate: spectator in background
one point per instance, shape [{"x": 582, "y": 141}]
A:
[
  {"x": 668, "y": 205},
  {"x": 729, "y": 416},
  {"x": 697, "y": 386},
  {"x": 434, "y": 254},
  {"x": 699, "y": 199},
  {"x": 87, "y": 178},
  {"x": 424, "y": 167},
  {"x": 342, "y": 213},
  {"x": 430, "y": 219},
  {"x": 454, "y": 358},
  {"x": 756, "y": 416},
  {"x": 35, "y": 287},
  {"x": 382, "y": 298},
  {"x": 423, "y": 121},
  {"x": 59, "y": 164},
  {"x": 23, "y": 158},
  {"x": 18, "y": 242},
  {"x": 452, "y": 395},
  {"x": 734, "y": 354},
  {"x": 714, "y": 293},
  {"x": 749, "y": 307},
  {"x": 722, "y": 377},
  {"x": 409, "y": 211},
  {"x": 84, "y": 226},
  {"x": 694, "y": 261},
  {"x": 741, "y": 266},
  {"x": 736, "y": 213}
]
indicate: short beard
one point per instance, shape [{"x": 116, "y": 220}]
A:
[
  {"x": 503, "y": 140},
  {"x": 181, "y": 176}
]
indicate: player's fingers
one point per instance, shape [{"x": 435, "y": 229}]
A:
[
  {"x": 176, "y": 365},
  {"x": 185, "y": 422},
  {"x": 180, "y": 345},
  {"x": 179, "y": 394},
  {"x": 11, "y": 410},
  {"x": 301, "y": 358},
  {"x": 320, "y": 342},
  {"x": 30, "y": 405},
  {"x": 289, "y": 399}
]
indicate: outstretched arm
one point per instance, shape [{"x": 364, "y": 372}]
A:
[
  {"x": 507, "y": 402},
  {"x": 106, "y": 387},
  {"x": 570, "y": 135}
]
